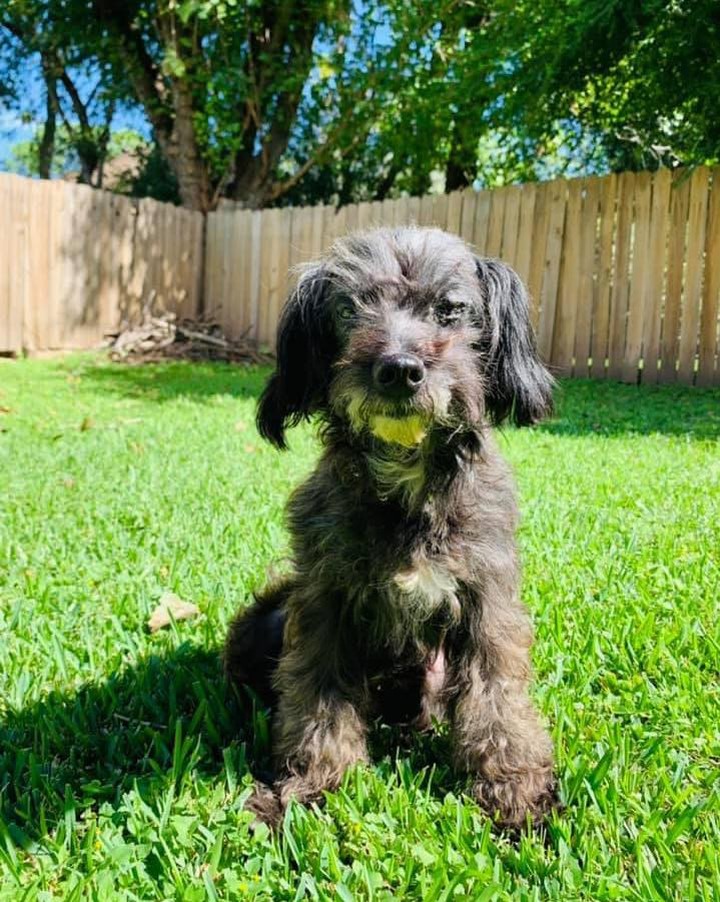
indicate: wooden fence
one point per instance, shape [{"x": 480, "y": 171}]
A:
[
  {"x": 75, "y": 263},
  {"x": 624, "y": 270}
]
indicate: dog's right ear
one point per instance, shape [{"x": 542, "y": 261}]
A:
[{"x": 298, "y": 387}]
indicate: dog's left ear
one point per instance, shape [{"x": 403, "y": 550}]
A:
[
  {"x": 517, "y": 384},
  {"x": 298, "y": 387}
]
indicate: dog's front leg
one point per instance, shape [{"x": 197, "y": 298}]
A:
[
  {"x": 497, "y": 734},
  {"x": 319, "y": 728}
]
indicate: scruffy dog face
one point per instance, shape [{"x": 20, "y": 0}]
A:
[{"x": 399, "y": 333}]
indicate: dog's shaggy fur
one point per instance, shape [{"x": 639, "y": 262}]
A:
[{"x": 403, "y": 601}]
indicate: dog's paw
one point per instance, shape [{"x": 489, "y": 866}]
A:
[
  {"x": 515, "y": 801},
  {"x": 265, "y": 806}
]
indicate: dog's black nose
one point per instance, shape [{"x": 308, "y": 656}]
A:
[{"x": 399, "y": 375}]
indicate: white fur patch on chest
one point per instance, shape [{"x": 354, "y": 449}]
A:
[{"x": 428, "y": 585}]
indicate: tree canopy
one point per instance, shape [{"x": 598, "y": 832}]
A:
[{"x": 277, "y": 101}]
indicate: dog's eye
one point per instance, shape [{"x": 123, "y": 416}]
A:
[
  {"x": 446, "y": 311},
  {"x": 345, "y": 312}
]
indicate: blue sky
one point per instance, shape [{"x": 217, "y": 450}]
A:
[{"x": 14, "y": 129}]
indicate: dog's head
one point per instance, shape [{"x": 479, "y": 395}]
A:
[{"x": 399, "y": 331}]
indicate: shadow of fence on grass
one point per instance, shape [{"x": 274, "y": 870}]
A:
[
  {"x": 173, "y": 380},
  {"x": 585, "y": 407}
]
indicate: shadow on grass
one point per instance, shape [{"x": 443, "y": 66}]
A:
[
  {"x": 584, "y": 407},
  {"x": 591, "y": 407},
  {"x": 145, "y": 727},
  {"x": 177, "y": 379},
  {"x": 82, "y": 749}
]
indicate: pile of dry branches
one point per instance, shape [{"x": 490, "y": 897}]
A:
[{"x": 162, "y": 337}]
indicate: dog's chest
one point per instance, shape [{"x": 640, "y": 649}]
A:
[{"x": 426, "y": 586}]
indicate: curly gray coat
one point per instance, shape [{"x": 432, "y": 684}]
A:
[{"x": 403, "y": 601}]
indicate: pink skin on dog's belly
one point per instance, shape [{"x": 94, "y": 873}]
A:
[{"x": 435, "y": 671}]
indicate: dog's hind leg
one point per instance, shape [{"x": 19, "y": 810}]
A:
[{"x": 254, "y": 642}]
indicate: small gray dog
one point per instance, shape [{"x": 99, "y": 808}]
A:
[{"x": 403, "y": 601}]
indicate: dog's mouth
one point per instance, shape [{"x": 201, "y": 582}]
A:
[
  {"x": 407, "y": 430},
  {"x": 403, "y": 424}
]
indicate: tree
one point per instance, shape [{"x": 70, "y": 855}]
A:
[
  {"x": 300, "y": 101},
  {"x": 80, "y": 94},
  {"x": 613, "y": 84},
  {"x": 246, "y": 98}
]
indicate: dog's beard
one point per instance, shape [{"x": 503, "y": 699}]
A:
[
  {"x": 397, "y": 457},
  {"x": 405, "y": 425},
  {"x": 406, "y": 428}
]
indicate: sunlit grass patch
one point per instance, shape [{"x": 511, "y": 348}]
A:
[{"x": 124, "y": 758}]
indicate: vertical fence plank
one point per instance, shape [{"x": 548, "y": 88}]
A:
[
  {"x": 279, "y": 283},
  {"x": 621, "y": 276},
  {"x": 655, "y": 274},
  {"x": 467, "y": 218},
  {"x": 229, "y": 305},
  {"x": 108, "y": 301},
  {"x": 351, "y": 217},
  {"x": 214, "y": 268},
  {"x": 587, "y": 281},
  {"x": 601, "y": 312},
  {"x": 241, "y": 270},
  {"x": 493, "y": 242},
  {"x": 508, "y": 244},
  {"x": 211, "y": 266},
  {"x": 526, "y": 225},
  {"x": 234, "y": 287},
  {"x": 254, "y": 268},
  {"x": 335, "y": 225},
  {"x": 439, "y": 210},
  {"x": 364, "y": 215},
  {"x": 454, "y": 212},
  {"x": 538, "y": 244},
  {"x": 708, "y": 374},
  {"x": 679, "y": 207},
  {"x": 413, "y": 211},
  {"x": 551, "y": 267},
  {"x": 5, "y": 229},
  {"x": 426, "y": 210},
  {"x": 402, "y": 211},
  {"x": 19, "y": 265},
  {"x": 566, "y": 317},
  {"x": 697, "y": 216},
  {"x": 5, "y": 226},
  {"x": 35, "y": 317},
  {"x": 641, "y": 238},
  {"x": 377, "y": 214},
  {"x": 269, "y": 248},
  {"x": 482, "y": 221}
]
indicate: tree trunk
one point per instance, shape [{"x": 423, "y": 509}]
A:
[
  {"x": 461, "y": 163},
  {"x": 180, "y": 148},
  {"x": 46, "y": 149},
  {"x": 47, "y": 141}
]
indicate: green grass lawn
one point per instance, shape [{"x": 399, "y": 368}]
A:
[{"x": 123, "y": 757}]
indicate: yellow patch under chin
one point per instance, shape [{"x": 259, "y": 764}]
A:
[{"x": 405, "y": 431}]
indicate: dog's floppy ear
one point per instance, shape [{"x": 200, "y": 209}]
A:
[
  {"x": 517, "y": 383},
  {"x": 299, "y": 384}
]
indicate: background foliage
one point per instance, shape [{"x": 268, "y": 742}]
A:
[{"x": 279, "y": 102}]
